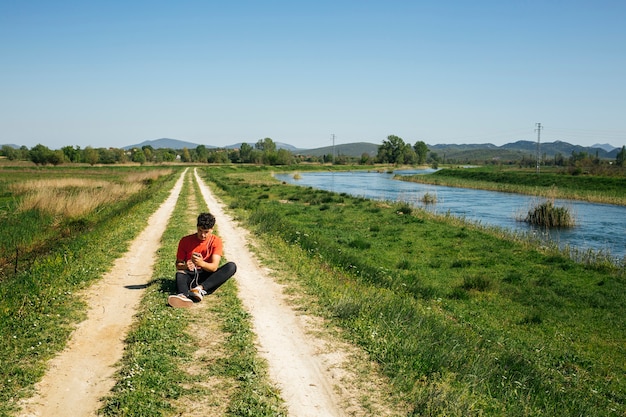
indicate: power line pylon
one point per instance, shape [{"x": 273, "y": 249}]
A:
[{"x": 538, "y": 129}]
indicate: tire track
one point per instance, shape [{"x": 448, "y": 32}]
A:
[
  {"x": 295, "y": 364},
  {"x": 82, "y": 373}
]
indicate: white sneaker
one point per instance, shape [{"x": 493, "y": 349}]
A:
[
  {"x": 180, "y": 301},
  {"x": 197, "y": 294}
]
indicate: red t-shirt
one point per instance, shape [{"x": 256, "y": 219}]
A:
[{"x": 190, "y": 244}]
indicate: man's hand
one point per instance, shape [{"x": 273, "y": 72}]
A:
[
  {"x": 190, "y": 265},
  {"x": 196, "y": 260}
]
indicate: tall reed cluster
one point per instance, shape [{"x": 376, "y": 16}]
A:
[
  {"x": 550, "y": 216},
  {"x": 71, "y": 197}
]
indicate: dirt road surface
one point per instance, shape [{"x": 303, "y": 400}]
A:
[
  {"x": 294, "y": 364},
  {"x": 82, "y": 373},
  {"x": 309, "y": 373}
]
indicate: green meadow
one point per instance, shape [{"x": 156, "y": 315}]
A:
[{"x": 463, "y": 320}]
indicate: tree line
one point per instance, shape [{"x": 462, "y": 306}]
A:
[
  {"x": 263, "y": 152},
  {"x": 394, "y": 150}
]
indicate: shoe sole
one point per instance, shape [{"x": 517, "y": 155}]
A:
[{"x": 176, "y": 301}]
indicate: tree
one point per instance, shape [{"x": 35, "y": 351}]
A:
[
  {"x": 71, "y": 153},
  {"x": 119, "y": 155},
  {"x": 202, "y": 153},
  {"x": 10, "y": 152},
  {"x": 234, "y": 156},
  {"x": 106, "y": 156},
  {"x": 218, "y": 157},
  {"x": 269, "y": 154},
  {"x": 395, "y": 151},
  {"x": 186, "y": 156},
  {"x": 421, "y": 150},
  {"x": 284, "y": 157},
  {"x": 91, "y": 156},
  {"x": 245, "y": 153},
  {"x": 23, "y": 153},
  {"x": 266, "y": 145},
  {"x": 621, "y": 157},
  {"x": 165, "y": 155},
  {"x": 139, "y": 156},
  {"x": 40, "y": 154},
  {"x": 256, "y": 156},
  {"x": 56, "y": 157},
  {"x": 148, "y": 152}
]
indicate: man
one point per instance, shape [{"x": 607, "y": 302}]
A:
[{"x": 197, "y": 264}]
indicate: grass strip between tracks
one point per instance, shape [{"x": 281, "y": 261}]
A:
[{"x": 200, "y": 360}]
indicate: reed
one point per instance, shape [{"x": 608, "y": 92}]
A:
[
  {"x": 550, "y": 216},
  {"x": 74, "y": 200},
  {"x": 429, "y": 198},
  {"x": 75, "y": 197}
]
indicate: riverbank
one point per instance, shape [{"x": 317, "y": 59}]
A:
[
  {"x": 551, "y": 184},
  {"x": 449, "y": 311}
]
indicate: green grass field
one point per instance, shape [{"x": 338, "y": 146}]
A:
[{"x": 462, "y": 320}]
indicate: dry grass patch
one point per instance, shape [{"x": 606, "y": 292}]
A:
[
  {"x": 75, "y": 197},
  {"x": 71, "y": 197},
  {"x": 144, "y": 176}
]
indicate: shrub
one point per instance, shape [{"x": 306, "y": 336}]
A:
[
  {"x": 549, "y": 216},
  {"x": 429, "y": 198},
  {"x": 404, "y": 208}
]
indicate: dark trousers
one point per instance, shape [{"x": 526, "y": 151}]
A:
[{"x": 210, "y": 281}]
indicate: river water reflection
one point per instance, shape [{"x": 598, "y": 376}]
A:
[{"x": 600, "y": 227}]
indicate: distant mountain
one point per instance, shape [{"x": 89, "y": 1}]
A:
[
  {"x": 349, "y": 149},
  {"x": 11, "y": 145},
  {"x": 460, "y": 152},
  {"x": 551, "y": 149},
  {"x": 279, "y": 145},
  {"x": 607, "y": 147},
  {"x": 166, "y": 143},
  {"x": 180, "y": 144},
  {"x": 462, "y": 147},
  {"x": 516, "y": 150}
]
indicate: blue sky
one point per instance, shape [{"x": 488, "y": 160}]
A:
[{"x": 115, "y": 73}]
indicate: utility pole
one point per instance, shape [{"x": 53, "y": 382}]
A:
[
  {"x": 333, "y": 137},
  {"x": 538, "y": 129}
]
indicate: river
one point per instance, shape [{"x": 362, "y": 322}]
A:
[{"x": 599, "y": 227}]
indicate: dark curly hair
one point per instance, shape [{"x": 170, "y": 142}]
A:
[{"x": 206, "y": 220}]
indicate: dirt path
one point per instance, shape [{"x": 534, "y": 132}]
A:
[
  {"x": 309, "y": 371},
  {"x": 82, "y": 373},
  {"x": 296, "y": 363}
]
